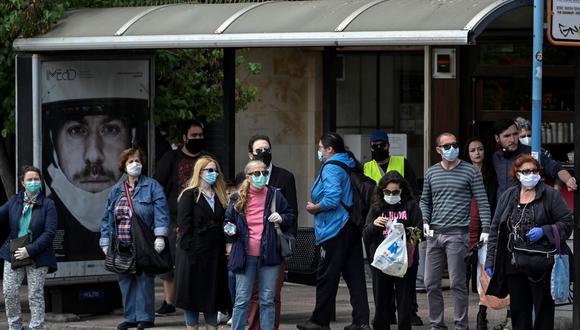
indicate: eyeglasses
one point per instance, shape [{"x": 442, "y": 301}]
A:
[
  {"x": 529, "y": 171},
  {"x": 388, "y": 192},
  {"x": 449, "y": 145},
  {"x": 210, "y": 170},
  {"x": 262, "y": 150},
  {"x": 525, "y": 136},
  {"x": 378, "y": 146},
  {"x": 258, "y": 173}
]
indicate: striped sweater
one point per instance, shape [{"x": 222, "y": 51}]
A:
[{"x": 446, "y": 199}]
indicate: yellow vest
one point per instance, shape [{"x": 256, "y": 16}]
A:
[{"x": 375, "y": 172}]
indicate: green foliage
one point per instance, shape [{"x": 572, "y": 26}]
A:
[{"x": 188, "y": 82}]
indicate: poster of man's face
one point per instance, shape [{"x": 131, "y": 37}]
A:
[{"x": 91, "y": 111}]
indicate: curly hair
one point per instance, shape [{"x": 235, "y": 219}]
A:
[
  {"x": 244, "y": 189},
  {"x": 391, "y": 177}
]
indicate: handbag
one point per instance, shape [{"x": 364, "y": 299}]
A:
[
  {"x": 15, "y": 244},
  {"x": 560, "y": 279},
  {"x": 147, "y": 259},
  {"x": 286, "y": 241},
  {"x": 120, "y": 257}
]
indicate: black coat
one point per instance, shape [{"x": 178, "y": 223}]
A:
[
  {"x": 201, "y": 280},
  {"x": 283, "y": 180},
  {"x": 549, "y": 208}
]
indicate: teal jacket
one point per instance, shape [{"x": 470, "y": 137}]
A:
[{"x": 331, "y": 187}]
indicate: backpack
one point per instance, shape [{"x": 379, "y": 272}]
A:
[{"x": 362, "y": 193}]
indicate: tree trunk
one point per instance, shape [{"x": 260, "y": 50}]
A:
[{"x": 6, "y": 171}]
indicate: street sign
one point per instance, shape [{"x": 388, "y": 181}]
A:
[{"x": 564, "y": 22}]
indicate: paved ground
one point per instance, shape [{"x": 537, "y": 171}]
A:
[{"x": 298, "y": 302}]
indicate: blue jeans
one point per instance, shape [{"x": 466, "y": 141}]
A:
[
  {"x": 138, "y": 292},
  {"x": 267, "y": 288},
  {"x": 192, "y": 318},
  {"x": 232, "y": 285}
]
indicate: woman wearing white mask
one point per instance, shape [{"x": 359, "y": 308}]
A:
[
  {"x": 520, "y": 239},
  {"x": 200, "y": 265},
  {"x": 142, "y": 195},
  {"x": 393, "y": 201},
  {"x": 250, "y": 222}
]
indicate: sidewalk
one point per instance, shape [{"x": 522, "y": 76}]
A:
[{"x": 297, "y": 304}]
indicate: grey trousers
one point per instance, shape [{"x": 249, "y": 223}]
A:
[
  {"x": 11, "y": 288},
  {"x": 420, "y": 281},
  {"x": 454, "y": 247}
]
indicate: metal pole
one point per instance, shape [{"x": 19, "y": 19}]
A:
[{"x": 537, "y": 77}]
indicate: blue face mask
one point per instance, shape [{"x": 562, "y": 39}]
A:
[
  {"x": 450, "y": 154},
  {"x": 259, "y": 181},
  {"x": 33, "y": 187},
  {"x": 320, "y": 156},
  {"x": 210, "y": 178}
]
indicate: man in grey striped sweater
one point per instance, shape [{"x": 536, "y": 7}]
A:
[{"x": 448, "y": 189}]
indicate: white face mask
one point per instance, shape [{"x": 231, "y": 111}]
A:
[
  {"x": 392, "y": 199},
  {"x": 134, "y": 169},
  {"x": 526, "y": 140},
  {"x": 86, "y": 207},
  {"x": 529, "y": 181}
]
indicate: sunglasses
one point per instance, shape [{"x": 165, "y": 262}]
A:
[
  {"x": 262, "y": 150},
  {"x": 388, "y": 192},
  {"x": 258, "y": 173},
  {"x": 210, "y": 170},
  {"x": 378, "y": 146},
  {"x": 449, "y": 145},
  {"x": 529, "y": 171}
]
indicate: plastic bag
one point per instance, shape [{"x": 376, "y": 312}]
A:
[
  {"x": 483, "y": 283},
  {"x": 560, "y": 280},
  {"x": 391, "y": 255}
]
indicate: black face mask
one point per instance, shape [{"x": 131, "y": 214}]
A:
[
  {"x": 265, "y": 157},
  {"x": 380, "y": 154},
  {"x": 195, "y": 145}
]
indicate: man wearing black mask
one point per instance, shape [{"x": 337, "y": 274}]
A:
[
  {"x": 173, "y": 173},
  {"x": 259, "y": 148}
]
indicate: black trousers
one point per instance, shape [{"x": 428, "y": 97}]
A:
[
  {"x": 525, "y": 295},
  {"x": 385, "y": 289},
  {"x": 341, "y": 254}
]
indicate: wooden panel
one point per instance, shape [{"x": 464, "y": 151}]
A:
[{"x": 444, "y": 112}]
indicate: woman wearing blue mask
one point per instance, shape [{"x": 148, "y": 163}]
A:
[
  {"x": 28, "y": 250},
  {"x": 250, "y": 221},
  {"x": 393, "y": 201},
  {"x": 200, "y": 264}
]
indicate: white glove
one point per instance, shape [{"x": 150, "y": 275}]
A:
[
  {"x": 275, "y": 218},
  {"x": 105, "y": 249},
  {"x": 159, "y": 244},
  {"x": 21, "y": 253},
  {"x": 426, "y": 230},
  {"x": 483, "y": 237}
]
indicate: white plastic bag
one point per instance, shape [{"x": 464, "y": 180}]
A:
[{"x": 391, "y": 255}]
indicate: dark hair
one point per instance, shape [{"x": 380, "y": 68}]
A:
[
  {"x": 502, "y": 125},
  {"x": 333, "y": 140},
  {"x": 486, "y": 168},
  {"x": 125, "y": 154},
  {"x": 29, "y": 168},
  {"x": 521, "y": 160},
  {"x": 438, "y": 139},
  {"x": 391, "y": 177},
  {"x": 255, "y": 138},
  {"x": 187, "y": 125}
]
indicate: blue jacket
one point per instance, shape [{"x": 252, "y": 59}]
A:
[
  {"x": 331, "y": 187},
  {"x": 42, "y": 225},
  {"x": 149, "y": 202},
  {"x": 269, "y": 255}
]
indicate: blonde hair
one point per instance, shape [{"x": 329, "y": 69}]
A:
[
  {"x": 245, "y": 186},
  {"x": 219, "y": 187}
]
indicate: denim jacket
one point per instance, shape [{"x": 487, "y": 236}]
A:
[{"x": 149, "y": 202}]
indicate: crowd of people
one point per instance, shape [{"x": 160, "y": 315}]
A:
[{"x": 223, "y": 237}]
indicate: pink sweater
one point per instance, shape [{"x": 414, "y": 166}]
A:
[{"x": 255, "y": 219}]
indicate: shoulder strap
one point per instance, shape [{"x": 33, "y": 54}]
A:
[
  {"x": 129, "y": 197},
  {"x": 556, "y": 235},
  {"x": 348, "y": 170},
  {"x": 273, "y": 202}
]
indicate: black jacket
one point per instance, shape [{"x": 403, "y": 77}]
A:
[
  {"x": 283, "y": 180},
  {"x": 549, "y": 208}
]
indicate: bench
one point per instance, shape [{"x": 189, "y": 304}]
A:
[{"x": 301, "y": 267}]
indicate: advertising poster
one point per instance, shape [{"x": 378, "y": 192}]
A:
[{"x": 91, "y": 111}]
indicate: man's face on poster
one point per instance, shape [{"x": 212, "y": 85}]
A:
[{"x": 88, "y": 148}]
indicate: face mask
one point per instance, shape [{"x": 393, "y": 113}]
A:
[
  {"x": 320, "y": 156},
  {"x": 134, "y": 169},
  {"x": 526, "y": 140},
  {"x": 210, "y": 178},
  {"x": 86, "y": 207},
  {"x": 450, "y": 154},
  {"x": 265, "y": 157},
  {"x": 380, "y": 155},
  {"x": 33, "y": 187},
  {"x": 529, "y": 181},
  {"x": 392, "y": 199},
  {"x": 259, "y": 181},
  {"x": 195, "y": 145}
]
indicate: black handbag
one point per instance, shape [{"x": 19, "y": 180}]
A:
[
  {"x": 15, "y": 244},
  {"x": 535, "y": 260},
  {"x": 286, "y": 242},
  {"x": 120, "y": 257},
  {"x": 147, "y": 259}
]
